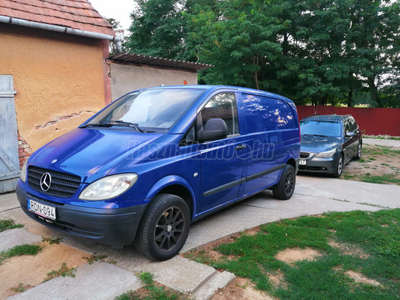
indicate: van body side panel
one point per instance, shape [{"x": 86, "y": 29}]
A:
[{"x": 272, "y": 132}]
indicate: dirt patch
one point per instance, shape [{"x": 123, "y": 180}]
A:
[
  {"x": 347, "y": 249},
  {"x": 278, "y": 280},
  {"x": 208, "y": 251},
  {"x": 241, "y": 289},
  {"x": 291, "y": 256},
  {"x": 375, "y": 161},
  {"x": 359, "y": 278},
  {"x": 32, "y": 270}
]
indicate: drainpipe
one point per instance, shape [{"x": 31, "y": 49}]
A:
[{"x": 56, "y": 28}]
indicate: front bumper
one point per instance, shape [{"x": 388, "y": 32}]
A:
[
  {"x": 320, "y": 165},
  {"x": 115, "y": 227}
]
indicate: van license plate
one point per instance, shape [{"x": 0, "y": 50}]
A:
[
  {"x": 43, "y": 210},
  {"x": 302, "y": 162}
]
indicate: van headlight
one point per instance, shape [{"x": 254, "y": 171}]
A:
[
  {"x": 326, "y": 154},
  {"x": 108, "y": 187},
  {"x": 23, "y": 171}
]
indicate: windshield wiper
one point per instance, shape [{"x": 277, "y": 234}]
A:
[
  {"x": 127, "y": 124},
  {"x": 112, "y": 123},
  {"x": 314, "y": 134},
  {"x": 97, "y": 125}
]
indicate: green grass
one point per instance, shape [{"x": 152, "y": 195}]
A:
[
  {"x": 376, "y": 234},
  {"x": 20, "y": 288},
  {"x": 152, "y": 291},
  {"x": 386, "y": 178},
  {"x": 62, "y": 271},
  {"x": 380, "y": 150},
  {"x": 19, "y": 250},
  {"x": 9, "y": 224},
  {"x": 51, "y": 240},
  {"x": 371, "y": 156},
  {"x": 94, "y": 257}
]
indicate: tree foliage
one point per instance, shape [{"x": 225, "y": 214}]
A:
[{"x": 319, "y": 51}]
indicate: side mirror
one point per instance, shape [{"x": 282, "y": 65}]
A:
[
  {"x": 215, "y": 129},
  {"x": 350, "y": 134}
]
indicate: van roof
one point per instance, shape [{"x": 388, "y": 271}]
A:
[{"x": 217, "y": 87}]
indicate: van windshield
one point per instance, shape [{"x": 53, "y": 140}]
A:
[{"x": 148, "y": 110}]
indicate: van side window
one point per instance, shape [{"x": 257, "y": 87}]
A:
[
  {"x": 222, "y": 106},
  {"x": 266, "y": 114}
]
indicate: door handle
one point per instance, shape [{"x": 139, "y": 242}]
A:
[{"x": 240, "y": 147}]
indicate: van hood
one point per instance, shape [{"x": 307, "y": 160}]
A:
[
  {"x": 90, "y": 152},
  {"x": 317, "y": 143}
]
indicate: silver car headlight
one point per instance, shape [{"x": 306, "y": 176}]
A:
[
  {"x": 326, "y": 154},
  {"x": 108, "y": 187},
  {"x": 23, "y": 172}
]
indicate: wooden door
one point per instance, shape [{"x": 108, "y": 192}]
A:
[{"x": 9, "y": 160}]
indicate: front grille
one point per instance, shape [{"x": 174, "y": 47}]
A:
[
  {"x": 304, "y": 154},
  {"x": 62, "y": 184}
]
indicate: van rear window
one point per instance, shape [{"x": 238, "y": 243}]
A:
[{"x": 267, "y": 114}]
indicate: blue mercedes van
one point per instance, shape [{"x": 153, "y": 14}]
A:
[{"x": 155, "y": 160}]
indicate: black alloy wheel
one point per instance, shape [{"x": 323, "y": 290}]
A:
[
  {"x": 169, "y": 229},
  {"x": 285, "y": 188},
  {"x": 164, "y": 228}
]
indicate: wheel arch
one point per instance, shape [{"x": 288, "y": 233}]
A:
[
  {"x": 175, "y": 185},
  {"x": 291, "y": 161}
]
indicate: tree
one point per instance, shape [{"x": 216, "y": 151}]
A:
[
  {"x": 318, "y": 51},
  {"x": 157, "y": 28}
]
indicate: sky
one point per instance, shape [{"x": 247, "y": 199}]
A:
[{"x": 117, "y": 9}]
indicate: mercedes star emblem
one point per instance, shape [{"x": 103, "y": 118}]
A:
[{"x": 45, "y": 182}]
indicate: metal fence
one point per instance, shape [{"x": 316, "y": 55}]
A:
[{"x": 372, "y": 121}]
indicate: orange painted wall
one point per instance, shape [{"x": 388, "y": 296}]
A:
[{"x": 59, "y": 80}]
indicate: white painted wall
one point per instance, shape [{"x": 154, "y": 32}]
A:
[{"x": 126, "y": 78}]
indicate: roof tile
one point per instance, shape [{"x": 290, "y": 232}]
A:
[{"x": 75, "y": 14}]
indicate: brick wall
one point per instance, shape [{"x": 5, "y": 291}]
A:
[{"x": 24, "y": 151}]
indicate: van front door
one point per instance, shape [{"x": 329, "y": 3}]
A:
[{"x": 223, "y": 162}]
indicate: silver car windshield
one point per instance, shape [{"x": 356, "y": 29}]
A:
[
  {"x": 148, "y": 110},
  {"x": 322, "y": 128}
]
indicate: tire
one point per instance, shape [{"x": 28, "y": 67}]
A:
[
  {"x": 339, "y": 167},
  {"x": 286, "y": 185},
  {"x": 359, "y": 148},
  {"x": 164, "y": 228}
]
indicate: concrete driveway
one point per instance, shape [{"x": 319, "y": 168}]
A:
[{"x": 313, "y": 195}]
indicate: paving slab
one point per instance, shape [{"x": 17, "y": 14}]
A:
[
  {"x": 180, "y": 274},
  {"x": 100, "y": 281},
  {"x": 374, "y": 194},
  {"x": 218, "y": 281},
  {"x": 8, "y": 201},
  {"x": 17, "y": 236}
]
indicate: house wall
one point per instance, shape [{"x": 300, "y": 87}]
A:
[
  {"x": 59, "y": 79},
  {"x": 126, "y": 78}
]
